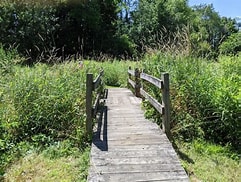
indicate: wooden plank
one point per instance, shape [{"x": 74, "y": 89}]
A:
[
  {"x": 128, "y": 147},
  {"x": 132, "y": 83},
  {"x": 133, "y": 153},
  {"x": 155, "y": 81},
  {"x": 134, "y": 160},
  {"x": 153, "y": 102},
  {"x": 135, "y": 168},
  {"x": 131, "y": 72},
  {"x": 96, "y": 104},
  {"x": 171, "y": 176}
]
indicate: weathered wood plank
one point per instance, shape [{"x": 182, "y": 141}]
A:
[
  {"x": 135, "y": 168},
  {"x": 128, "y": 147},
  {"x": 132, "y": 83},
  {"x": 97, "y": 81},
  {"x": 155, "y": 81},
  {"x": 141, "y": 177},
  {"x": 154, "y": 102},
  {"x": 166, "y": 104},
  {"x": 131, "y": 72}
]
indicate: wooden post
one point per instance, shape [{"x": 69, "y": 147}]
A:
[
  {"x": 129, "y": 75},
  {"x": 137, "y": 83},
  {"x": 89, "y": 88},
  {"x": 166, "y": 104}
]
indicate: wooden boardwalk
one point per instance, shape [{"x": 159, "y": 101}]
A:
[{"x": 128, "y": 148}]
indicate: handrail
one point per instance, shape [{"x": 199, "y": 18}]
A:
[
  {"x": 135, "y": 81},
  {"x": 155, "y": 81},
  {"x": 91, "y": 110},
  {"x": 97, "y": 81}
]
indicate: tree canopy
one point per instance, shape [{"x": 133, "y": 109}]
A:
[{"x": 41, "y": 29}]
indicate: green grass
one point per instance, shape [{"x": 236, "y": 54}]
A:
[
  {"x": 209, "y": 162},
  {"x": 41, "y": 167}
]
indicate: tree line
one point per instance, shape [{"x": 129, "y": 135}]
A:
[{"x": 118, "y": 28}]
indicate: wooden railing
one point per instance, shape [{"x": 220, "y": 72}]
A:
[
  {"x": 136, "y": 78},
  {"x": 91, "y": 109}
]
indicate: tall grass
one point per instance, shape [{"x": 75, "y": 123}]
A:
[
  {"x": 205, "y": 96},
  {"x": 40, "y": 107},
  {"x": 116, "y": 72}
]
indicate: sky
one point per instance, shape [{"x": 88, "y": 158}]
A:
[{"x": 228, "y": 8}]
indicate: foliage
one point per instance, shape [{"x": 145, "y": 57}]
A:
[
  {"x": 232, "y": 45},
  {"x": 156, "y": 24},
  {"x": 205, "y": 97},
  {"x": 28, "y": 25},
  {"x": 40, "y": 30},
  {"x": 42, "y": 110},
  {"x": 208, "y": 30},
  {"x": 116, "y": 72}
]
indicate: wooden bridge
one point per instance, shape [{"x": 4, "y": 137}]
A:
[{"x": 127, "y": 147}]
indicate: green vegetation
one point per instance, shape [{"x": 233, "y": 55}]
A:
[
  {"x": 42, "y": 118},
  {"x": 206, "y": 102},
  {"x": 43, "y": 113},
  {"x": 50, "y": 167},
  {"x": 42, "y": 96},
  {"x": 205, "y": 96},
  {"x": 232, "y": 45},
  {"x": 208, "y": 162},
  {"x": 50, "y": 29},
  {"x": 43, "y": 108}
]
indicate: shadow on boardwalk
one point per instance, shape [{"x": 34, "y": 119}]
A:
[{"x": 100, "y": 137}]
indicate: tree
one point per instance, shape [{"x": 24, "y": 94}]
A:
[
  {"x": 38, "y": 28},
  {"x": 209, "y": 30},
  {"x": 173, "y": 14},
  {"x": 159, "y": 17},
  {"x": 30, "y": 26}
]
